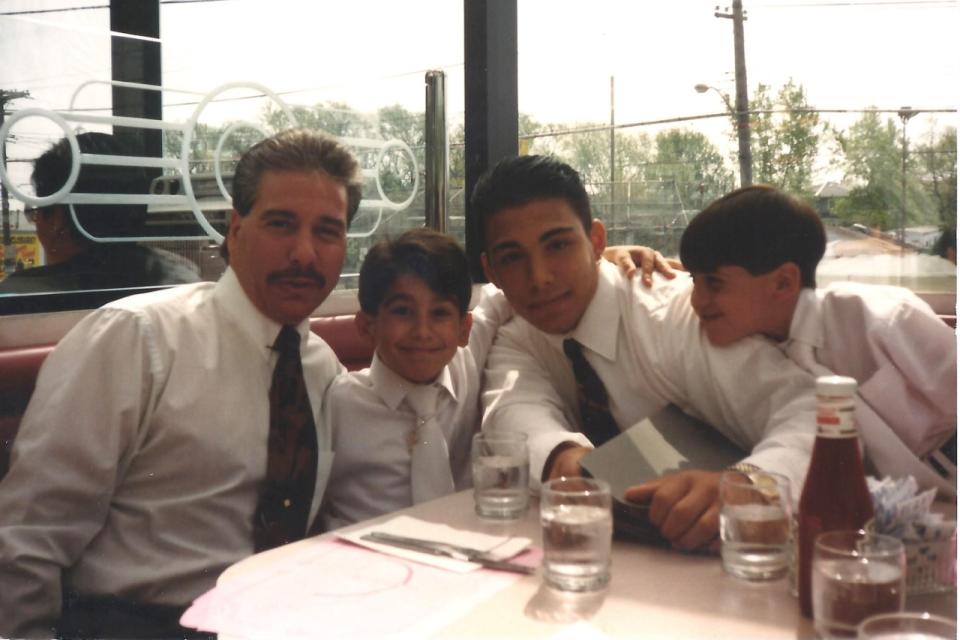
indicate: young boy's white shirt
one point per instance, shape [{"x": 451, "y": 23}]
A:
[
  {"x": 905, "y": 360},
  {"x": 373, "y": 425}
]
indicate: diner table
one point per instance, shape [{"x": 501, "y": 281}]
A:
[{"x": 653, "y": 593}]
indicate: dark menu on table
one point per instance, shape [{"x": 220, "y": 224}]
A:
[{"x": 666, "y": 442}]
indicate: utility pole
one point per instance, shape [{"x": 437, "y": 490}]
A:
[
  {"x": 742, "y": 103},
  {"x": 905, "y": 114},
  {"x": 9, "y": 253},
  {"x": 613, "y": 155}
]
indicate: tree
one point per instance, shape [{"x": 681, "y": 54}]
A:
[
  {"x": 203, "y": 146},
  {"x": 937, "y": 161},
  {"x": 785, "y": 138},
  {"x": 693, "y": 163},
  {"x": 871, "y": 156}
]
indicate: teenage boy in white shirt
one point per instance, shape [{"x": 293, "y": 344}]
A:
[
  {"x": 542, "y": 248},
  {"x": 754, "y": 253}
]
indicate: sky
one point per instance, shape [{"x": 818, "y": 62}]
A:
[{"x": 847, "y": 54}]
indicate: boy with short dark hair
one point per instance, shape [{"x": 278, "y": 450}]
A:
[
  {"x": 753, "y": 255},
  {"x": 391, "y": 452}
]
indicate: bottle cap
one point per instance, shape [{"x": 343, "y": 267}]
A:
[{"x": 836, "y": 386}]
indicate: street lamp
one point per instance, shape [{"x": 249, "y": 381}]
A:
[
  {"x": 905, "y": 114},
  {"x": 743, "y": 134}
]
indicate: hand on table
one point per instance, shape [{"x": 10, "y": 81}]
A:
[
  {"x": 643, "y": 260},
  {"x": 685, "y": 506}
]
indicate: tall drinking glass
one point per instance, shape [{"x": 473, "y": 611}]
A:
[
  {"x": 855, "y": 575},
  {"x": 577, "y": 523}
]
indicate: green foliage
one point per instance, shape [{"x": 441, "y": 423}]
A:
[
  {"x": 694, "y": 165},
  {"x": 936, "y": 162},
  {"x": 784, "y": 137},
  {"x": 871, "y": 157}
]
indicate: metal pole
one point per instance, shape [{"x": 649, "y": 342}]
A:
[
  {"x": 743, "y": 105},
  {"x": 613, "y": 154},
  {"x": 742, "y": 108},
  {"x": 905, "y": 114},
  {"x": 436, "y": 161},
  {"x": 9, "y": 253}
]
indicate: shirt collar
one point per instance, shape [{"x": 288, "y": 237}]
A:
[
  {"x": 599, "y": 326},
  {"x": 238, "y": 309},
  {"x": 393, "y": 388},
  {"x": 805, "y": 326}
]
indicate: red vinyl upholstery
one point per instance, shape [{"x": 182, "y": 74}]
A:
[{"x": 19, "y": 368}]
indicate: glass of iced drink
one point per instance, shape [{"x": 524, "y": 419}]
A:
[
  {"x": 755, "y": 517},
  {"x": 855, "y": 575},
  {"x": 501, "y": 475},
  {"x": 577, "y": 524}
]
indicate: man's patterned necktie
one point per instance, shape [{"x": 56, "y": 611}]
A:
[
  {"x": 597, "y": 422},
  {"x": 287, "y": 492}
]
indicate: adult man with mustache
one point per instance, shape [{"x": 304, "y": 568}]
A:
[{"x": 142, "y": 468}]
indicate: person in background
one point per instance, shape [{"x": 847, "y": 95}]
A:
[
  {"x": 754, "y": 253},
  {"x": 173, "y": 433},
  {"x": 581, "y": 324},
  {"x": 73, "y": 260},
  {"x": 946, "y": 245}
]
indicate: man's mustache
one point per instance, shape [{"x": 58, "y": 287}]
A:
[{"x": 318, "y": 278}]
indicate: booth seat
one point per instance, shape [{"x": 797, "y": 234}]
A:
[{"x": 19, "y": 368}]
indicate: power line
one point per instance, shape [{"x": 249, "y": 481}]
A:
[{"x": 26, "y": 12}]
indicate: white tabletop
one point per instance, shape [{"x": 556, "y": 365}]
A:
[{"x": 654, "y": 593}]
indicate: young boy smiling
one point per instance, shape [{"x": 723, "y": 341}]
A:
[
  {"x": 753, "y": 255},
  {"x": 414, "y": 295}
]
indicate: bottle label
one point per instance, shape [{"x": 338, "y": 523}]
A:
[{"x": 835, "y": 420}]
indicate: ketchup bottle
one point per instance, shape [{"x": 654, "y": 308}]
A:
[{"x": 835, "y": 494}]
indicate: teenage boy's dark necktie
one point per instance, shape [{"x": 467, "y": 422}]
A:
[
  {"x": 597, "y": 422},
  {"x": 285, "y": 498}
]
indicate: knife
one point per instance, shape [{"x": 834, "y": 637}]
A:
[{"x": 447, "y": 550}]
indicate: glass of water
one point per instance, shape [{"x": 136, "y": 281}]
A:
[
  {"x": 501, "y": 474},
  {"x": 855, "y": 575},
  {"x": 577, "y": 523},
  {"x": 755, "y": 517}
]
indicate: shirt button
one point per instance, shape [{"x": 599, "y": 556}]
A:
[{"x": 286, "y": 502}]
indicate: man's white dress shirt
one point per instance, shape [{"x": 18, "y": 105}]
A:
[
  {"x": 138, "y": 463},
  {"x": 373, "y": 426},
  {"x": 647, "y": 348},
  {"x": 904, "y": 359}
]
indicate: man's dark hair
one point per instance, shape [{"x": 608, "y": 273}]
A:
[
  {"x": 434, "y": 257},
  {"x": 757, "y": 228},
  {"x": 517, "y": 181},
  {"x": 295, "y": 150},
  {"x": 52, "y": 169}
]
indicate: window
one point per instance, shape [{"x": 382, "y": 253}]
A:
[
  {"x": 641, "y": 99},
  {"x": 229, "y": 71}
]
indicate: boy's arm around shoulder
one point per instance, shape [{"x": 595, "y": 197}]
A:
[
  {"x": 490, "y": 313},
  {"x": 73, "y": 442}
]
